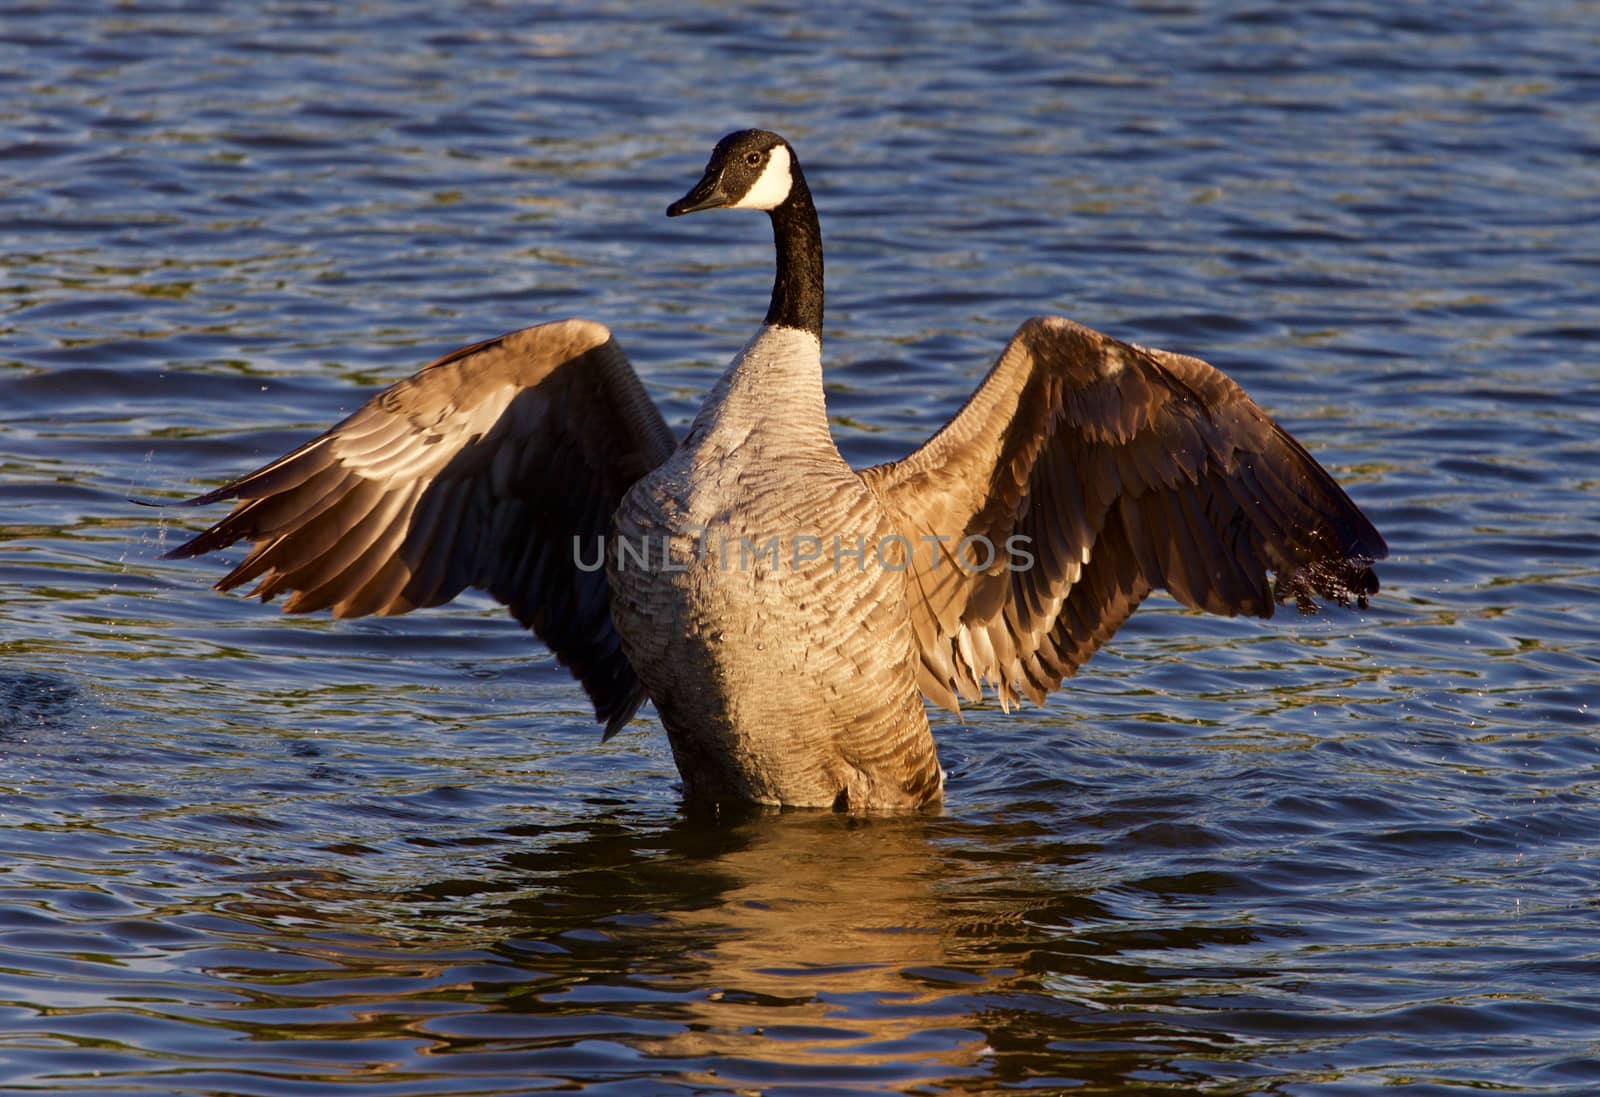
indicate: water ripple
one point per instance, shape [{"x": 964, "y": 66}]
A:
[{"x": 254, "y": 855}]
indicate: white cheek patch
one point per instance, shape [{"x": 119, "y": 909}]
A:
[{"x": 772, "y": 189}]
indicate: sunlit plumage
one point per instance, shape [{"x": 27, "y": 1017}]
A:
[{"x": 1117, "y": 469}]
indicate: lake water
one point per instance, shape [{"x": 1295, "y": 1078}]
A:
[{"x": 256, "y": 855}]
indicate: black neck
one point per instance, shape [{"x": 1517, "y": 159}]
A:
[{"x": 797, "y": 289}]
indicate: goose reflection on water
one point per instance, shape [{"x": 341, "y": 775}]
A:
[{"x": 777, "y": 947}]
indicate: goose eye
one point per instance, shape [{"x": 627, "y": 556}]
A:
[{"x": 754, "y": 158}]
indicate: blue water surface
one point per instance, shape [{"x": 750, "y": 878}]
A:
[{"x": 247, "y": 854}]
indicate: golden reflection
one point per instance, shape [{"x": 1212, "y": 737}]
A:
[
  {"x": 827, "y": 947},
  {"x": 796, "y": 945}
]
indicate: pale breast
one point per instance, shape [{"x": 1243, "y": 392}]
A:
[{"x": 762, "y": 603}]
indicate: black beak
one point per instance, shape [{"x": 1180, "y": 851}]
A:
[{"x": 707, "y": 194}]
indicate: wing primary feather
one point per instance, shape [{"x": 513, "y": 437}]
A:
[
  {"x": 1129, "y": 470},
  {"x": 436, "y": 483},
  {"x": 331, "y": 575}
]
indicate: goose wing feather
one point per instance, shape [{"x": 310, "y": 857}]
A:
[
  {"x": 477, "y": 471},
  {"x": 1119, "y": 470}
]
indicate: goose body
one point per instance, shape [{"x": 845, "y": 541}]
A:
[
  {"x": 787, "y": 614},
  {"x": 781, "y": 666}
]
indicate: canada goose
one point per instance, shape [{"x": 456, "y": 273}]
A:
[{"x": 787, "y": 614}]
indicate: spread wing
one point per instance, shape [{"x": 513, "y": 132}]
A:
[
  {"x": 1094, "y": 471},
  {"x": 477, "y": 471}
]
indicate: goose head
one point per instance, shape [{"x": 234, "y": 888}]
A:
[
  {"x": 749, "y": 169},
  {"x": 757, "y": 169}
]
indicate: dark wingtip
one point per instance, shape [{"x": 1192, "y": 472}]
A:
[
  {"x": 1343, "y": 581},
  {"x": 189, "y": 549},
  {"x": 226, "y": 491},
  {"x": 619, "y": 720},
  {"x": 217, "y": 537},
  {"x": 211, "y": 539},
  {"x": 619, "y": 714}
]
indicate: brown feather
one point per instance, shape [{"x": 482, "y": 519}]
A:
[
  {"x": 477, "y": 470},
  {"x": 1153, "y": 467}
]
